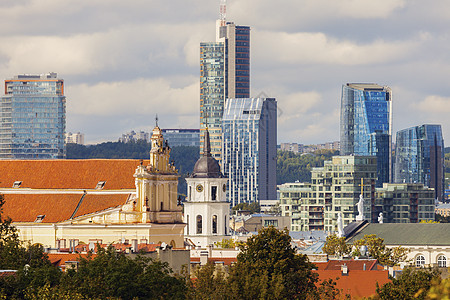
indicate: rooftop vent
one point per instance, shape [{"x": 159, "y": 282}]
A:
[
  {"x": 39, "y": 218},
  {"x": 100, "y": 185},
  {"x": 17, "y": 184}
]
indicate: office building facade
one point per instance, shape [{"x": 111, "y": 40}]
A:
[
  {"x": 366, "y": 125},
  {"x": 33, "y": 118},
  {"x": 249, "y": 149},
  {"x": 224, "y": 73},
  {"x": 419, "y": 157},
  {"x": 182, "y": 137}
]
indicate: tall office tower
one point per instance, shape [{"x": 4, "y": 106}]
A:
[
  {"x": 224, "y": 73},
  {"x": 366, "y": 125},
  {"x": 419, "y": 157},
  {"x": 33, "y": 118},
  {"x": 250, "y": 149}
]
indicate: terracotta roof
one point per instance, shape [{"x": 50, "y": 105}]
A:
[
  {"x": 69, "y": 174},
  {"x": 57, "y": 207},
  {"x": 352, "y": 264},
  {"x": 97, "y": 202},
  {"x": 357, "y": 283},
  {"x": 59, "y": 259},
  {"x": 26, "y": 207}
]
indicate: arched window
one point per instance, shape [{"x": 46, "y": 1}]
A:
[
  {"x": 442, "y": 261},
  {"x": 420, "y": 261},
  {"x": 214, "y": 224},
  {"x": 199, "y": 224}
]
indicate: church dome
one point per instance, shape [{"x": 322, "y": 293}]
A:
[{"x": 207, "y": 166}]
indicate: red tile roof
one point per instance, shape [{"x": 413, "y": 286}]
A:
[
  {"x": 69, "y": 174},
  {"x": 57, "y": 207},
  {"x": 357, "y": 283},
  {"x": 352, "y": 264}
]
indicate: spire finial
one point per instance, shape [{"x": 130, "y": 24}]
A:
[
  {"x": 206, "y": 144},
  {"x": 156, "y": 119}
]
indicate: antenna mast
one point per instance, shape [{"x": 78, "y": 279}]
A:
[{"x": 223, "y": 12}]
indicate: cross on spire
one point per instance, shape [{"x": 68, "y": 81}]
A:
[{"x": 156, "y": 119}]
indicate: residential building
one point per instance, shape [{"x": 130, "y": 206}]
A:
[
  {"x": 79, "y": 201},
  {"x": 366, "y": 125},
  {"x": 419, "y": 157},
  {"x": 291, "y": 199},
  {"x": 182, "y": 137},
  {"x": 428, "y": 244},
  {"x": 75, "y": 138},
  {"x": 254, "y": 222},
  {"x": 206, "y": 210},
  {"x": 250, "y": 149},
  {"x": 133, "y": 136},
  {"x": 33, "y": 118},
  {"x": 443, "y": 209},
  {"x": 405, "y": 203},
  {"x": 292, "y": 147},
  {"x": 224, "y": 73}
]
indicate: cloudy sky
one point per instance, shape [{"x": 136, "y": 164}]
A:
[{"x": 125, "y": 61}]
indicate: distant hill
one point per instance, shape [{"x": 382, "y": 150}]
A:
[{"x": 184, "y": 156}]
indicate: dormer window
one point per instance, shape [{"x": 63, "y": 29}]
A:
[
  {"x": 100, "y": 185},
  {"x": 39, "y": 218},
  {"x": 17, "y": 184}
]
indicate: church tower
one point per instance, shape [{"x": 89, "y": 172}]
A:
[{"x": 206, "y": 211}]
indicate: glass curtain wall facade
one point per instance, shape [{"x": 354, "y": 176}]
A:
[
  {"x": 224, "y": 73},
  {"x": 33, "y": 118},
  {"x": 419, "y": 157},
  {"x": 249, "y": 149},
  {"x": 182, "y": 137},
  {"x": 366, "y": 125}
]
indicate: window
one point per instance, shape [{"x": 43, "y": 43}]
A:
[
  {"x": 187, "y": 227},
  {"x": 100, "y": 185},
  {"x": 213, "y": 192},
  {"x": 199, "y": 224},
  {"x": 420, "y": 261},
  {"x": 214, "y": 224},
  {"x": 442, "y": 261}
]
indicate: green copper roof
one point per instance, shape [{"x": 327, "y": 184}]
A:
[{"x": 405, "y": 234}]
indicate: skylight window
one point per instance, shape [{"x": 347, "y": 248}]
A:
[
  {"x": 100, "y": 185},
  {"x": 39, "y": 218},
  {"x": 17, "y": 184}
]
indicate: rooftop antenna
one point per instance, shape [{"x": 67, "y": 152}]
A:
[{"x": 223, "y": 12}]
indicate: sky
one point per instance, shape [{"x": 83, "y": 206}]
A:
[{"x": 123, "y": 62}]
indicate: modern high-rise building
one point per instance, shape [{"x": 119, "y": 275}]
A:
[
  {"x": 366, "y": 125},
  {"x": 224, "y": 73},
  {"x": 182, "y": 137},
  {"x": 75, "y": 138},
  {"x": 33, "y": 118},
  {"x": 419, "y": 157},
  {"x": 250, "y": 149}
]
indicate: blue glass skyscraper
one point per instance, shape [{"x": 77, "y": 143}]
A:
[
  {"x": 366, "y": 124},
  {"x": 33, "y": 118},
  {"x": 250, "y": 149},
  {"x": 419, "y": 157},
  {"x": 224, "y": 73}
]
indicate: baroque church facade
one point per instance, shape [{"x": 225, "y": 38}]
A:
[{"x": 79, "y": 201}]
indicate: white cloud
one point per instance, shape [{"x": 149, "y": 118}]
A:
[{"x": 434, "y": 104}]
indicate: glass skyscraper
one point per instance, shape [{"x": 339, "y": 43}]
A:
[
  {"x": 249, "y": 149},
  {"x": 224, "y": 73},
  {"x": 419, "y": 157},
  {"x": 33, "y": 118},
  {"x": 366, "y": 124}
]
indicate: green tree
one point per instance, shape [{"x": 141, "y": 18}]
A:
[
  {"x": 411, "y": 284},
  {"x": 377, "y": 249},
  {"x": 269, "y": 268},
  {"x": 112, "y": 274},
  {"x": 229, "y": 243},
  {"x": 252, "y": 207},
  {"x": 336, "y": 246},
  {"x": 209, "y": 283}
]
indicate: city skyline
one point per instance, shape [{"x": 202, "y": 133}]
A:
[{"x": 302, "y": 59}]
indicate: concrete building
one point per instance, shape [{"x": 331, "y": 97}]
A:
[
  {"x": 253, "y": 223},
  {"x": 224, "y": 73},
  {"x": 133, "y": 136},
  {"x": 419, "y": 157},
  {"x": 366, "y": 125},
  {"x": 75, "y": 138},
  {"x": 443, "y": 209},
  {"x": 182, "y": 137},
  {"x": 206, "y": 210},
  {"x": 291, "y": 147},
  {"x": 79, "y": 201},
  {"x": 249, "y": 149},
  {"x": 33, "y": 118}
]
